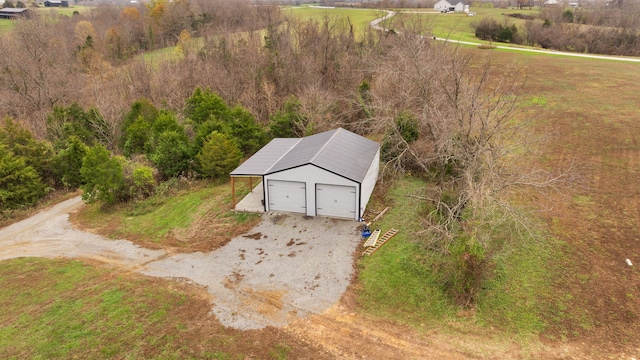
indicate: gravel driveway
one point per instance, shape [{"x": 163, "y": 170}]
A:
[{"x": 287, "y": 267}]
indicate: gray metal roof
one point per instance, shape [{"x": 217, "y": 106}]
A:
[
  {"x": 13, "y": 10},
  {"x": 338, "y": 151},
  {"x": 261, "y": 162}
]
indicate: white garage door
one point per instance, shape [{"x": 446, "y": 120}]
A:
[
  {"x": 336, "y": 201},
  {"x": 287, "y": 196}
]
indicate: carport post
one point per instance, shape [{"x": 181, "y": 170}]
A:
[{"x": 233, "y": 192}]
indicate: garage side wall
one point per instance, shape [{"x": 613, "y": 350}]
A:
[
  {"x": 310, "y": 175},
  {"x": 369, "y": 182}
]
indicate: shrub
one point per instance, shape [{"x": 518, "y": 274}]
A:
[
  {"x": 35, "y": 153},
  {"x": 567, "y": 16},
  {"x": 172, "y": 153},
  {"x": 103, "y": 176},
  {"x": 404, "y": 131},
  {"x": 139, "y": 180},
  {"x": 19, "y": 183},
  {"x": 468, "y": 269},
  {"x": 490, "y": 29},
  {"x": 407, "y": 126},
  {"x": 219, "y": 156},
  {"x": 68, "y": 162},
  {"x": 136, "y": 128}
]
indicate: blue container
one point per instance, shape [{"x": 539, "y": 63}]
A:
[{"x": 366, "y": 232}]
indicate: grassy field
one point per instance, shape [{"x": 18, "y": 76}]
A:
[
  {"x": 65, "y": 309},
  {"x": 455, "y": 26},
  {"x": 66, "y": 11},
  {"x": 398, "y": 280},
  {"x": 6, "y": 25},
  {"x": 359, "y": 18}
]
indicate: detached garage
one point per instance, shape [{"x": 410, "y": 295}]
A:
[{"x": 328, "y": 174}]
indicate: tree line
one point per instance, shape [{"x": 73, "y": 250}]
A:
[{"x": 153, "y": 147}]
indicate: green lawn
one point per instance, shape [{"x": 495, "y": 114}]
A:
[
  {"x": 455, "y": 26},
  {"x": 6, "y": 25},
  {"x": 401, "y": 280},
  {"x": 65, "y": 309},
  {"x": 66, "y": 11},
  {"x": 166, "y": 220},
  {"x": 359, "y": 18}
]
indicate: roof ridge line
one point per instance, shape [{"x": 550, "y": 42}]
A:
[
  {"x": 325, "y": 145},
  {"x": 281, "y": 156}
]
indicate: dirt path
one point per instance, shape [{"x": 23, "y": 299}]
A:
[{"x": 49, "y": 234}]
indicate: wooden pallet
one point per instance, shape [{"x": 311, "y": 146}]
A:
[
  {"x": 371, "y": 241},
  {"x": 388, "y": 235}
]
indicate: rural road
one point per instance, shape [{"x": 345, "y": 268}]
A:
[{"x": 288, "y": 267}]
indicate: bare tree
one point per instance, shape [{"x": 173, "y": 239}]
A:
[
  {"x": 469, "y": 131},
  {"x": 37, "y": 71}
]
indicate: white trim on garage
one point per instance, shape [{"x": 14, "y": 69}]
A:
[
  {"x": 287, "y": 196},
  {"x": 336, "y": 200}
]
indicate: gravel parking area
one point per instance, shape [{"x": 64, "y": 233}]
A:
[{"x": 287, "y": 267}]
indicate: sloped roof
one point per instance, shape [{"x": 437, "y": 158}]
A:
[
  {"x": 13, "y": 10},
  {"x": 338, "y": 151}
]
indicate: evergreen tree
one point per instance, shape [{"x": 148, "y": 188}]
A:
[
  {"x": 172, "y": 153},
  {"x": 102, "y": 175},
  {"x": 20, "y": 185},
  {"x": 35, "y": 153},
  {"x": 208, "y": 110},
  {"x": 68, "y": 162},
  {"x": 219, "y": 156}
]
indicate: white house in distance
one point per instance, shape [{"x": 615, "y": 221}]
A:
[
  {"x": 451, "y": 6},
  {"x": 332, "y": 174}
]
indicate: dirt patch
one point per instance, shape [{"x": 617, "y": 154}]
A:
[
  {"x": 254, "y": 236},
  {"x": 279, "y": 218},
  {"x": 232, "y": 281}
]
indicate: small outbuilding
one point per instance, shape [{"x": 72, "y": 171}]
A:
[
  {"x": 56, "y": 3},
  {"x": 332, "y": 174},
  {"x": 13, "y": 13}
]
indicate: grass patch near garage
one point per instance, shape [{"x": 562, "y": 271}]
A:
[
  {"x": 62, "y": 309},
  {"x": 187, "y": 217},
  {"x": 402, "y": 279}
]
